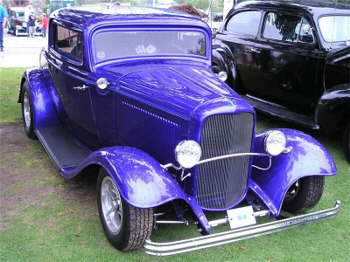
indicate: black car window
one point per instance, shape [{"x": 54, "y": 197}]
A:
[
  {"x": 70, "y": 42},
  {"x": 285, "y": 27},
  {"x": 246, "y": 23}
]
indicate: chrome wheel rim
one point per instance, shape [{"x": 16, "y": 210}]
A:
[
  {"x": 293, "y": 191},
  {"x": 26, "y": 111},
  {"x": 111, "y": 204}
]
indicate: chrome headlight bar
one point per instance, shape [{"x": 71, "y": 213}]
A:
[{"x": 171, "y": 165}]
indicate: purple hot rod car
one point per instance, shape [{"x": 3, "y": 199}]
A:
[{"x": 129, "y": 94}]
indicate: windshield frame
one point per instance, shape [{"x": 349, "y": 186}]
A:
[
  {"x": 95, "y": 63},
  {"x": 320, "y": 29}
]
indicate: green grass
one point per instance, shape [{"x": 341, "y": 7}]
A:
[
  {"x": 52, "y": 219},
  {"x": 9, "y": 86}
]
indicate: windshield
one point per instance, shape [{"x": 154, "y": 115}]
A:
[
  {"x": 335, "y": 28},
  {"x": 121, "y": 44},
  {"x": 20, "y": 14}
]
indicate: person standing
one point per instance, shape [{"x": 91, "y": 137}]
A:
[
  {"x": 31, "y": 25},
  {"x": 44, "y": 25},
  {"x": 3, "y": 21}
]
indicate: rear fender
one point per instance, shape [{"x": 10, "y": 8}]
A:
[
  {"x": 40, "y": 90},
  {"x": 333, "y": 108},
  {"x": 307, "y": 158}
]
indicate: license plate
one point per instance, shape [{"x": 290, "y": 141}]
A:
[{"x": 241, "y": 217}]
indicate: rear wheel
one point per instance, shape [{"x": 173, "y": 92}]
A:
[
  {"x": 27, "y": 113},
  {"x": 304, "y": 194},
  {"x": 347, "y": 143},
  {"x": 125, "y": 226}
]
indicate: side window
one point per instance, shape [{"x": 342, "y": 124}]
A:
[
  {"x": 289, "y": 28},
  {"x": 69, "y": 42},
  {"x": 245, "y": 23}
]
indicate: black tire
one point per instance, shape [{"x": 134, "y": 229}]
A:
[
  {"x": 304, "y": 194},
  {"x": 28, "y": 128},
  {"x": 136, "y": 225},
  {"x": 347, "y": 143},
  {"x": 216, "y": 69}
]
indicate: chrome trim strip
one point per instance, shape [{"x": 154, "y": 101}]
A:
[{"x": 197, "y": 243}]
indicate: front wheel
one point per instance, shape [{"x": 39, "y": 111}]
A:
[
  {"x": 27, "y": 113},
  {"x": 304, "y": 194},
  {"x": 125, "y": 226},
  {"x": 347, "y": 143}
]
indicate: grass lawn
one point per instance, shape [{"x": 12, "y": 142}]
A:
[
  {"x": 9, "y": 84},
  {"x": 44, "y": 217}
]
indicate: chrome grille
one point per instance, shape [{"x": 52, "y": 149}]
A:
[{"x": 220, "y": 184}]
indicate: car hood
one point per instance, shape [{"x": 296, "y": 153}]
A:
[{"x": 179, "y": 89}]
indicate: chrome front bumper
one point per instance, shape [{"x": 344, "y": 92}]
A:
[{"x": 192, "y": 244}]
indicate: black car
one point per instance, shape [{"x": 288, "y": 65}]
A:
[{"x": 290, "y": 60}]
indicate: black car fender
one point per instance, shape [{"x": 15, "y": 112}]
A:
[
  {"x": 222, "y": 59},
  {"x": 333, "y": 109}
]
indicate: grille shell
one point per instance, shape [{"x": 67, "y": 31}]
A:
[{"x": 220, "y": 184}]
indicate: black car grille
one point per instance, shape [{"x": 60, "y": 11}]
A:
[{"x": 222, "y": 183}]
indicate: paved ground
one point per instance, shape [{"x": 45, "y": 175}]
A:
[{"x": 21, "y": 51}]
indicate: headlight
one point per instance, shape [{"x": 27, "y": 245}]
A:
[
  {"x": 275, "y": 142},
  {"x": 222, "y": 75},
  {"x": 188, "y": 153}
]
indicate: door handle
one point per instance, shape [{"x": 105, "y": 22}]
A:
[
  {"x": 80, "y": 88},
  {"x": 254, "y": 50}
]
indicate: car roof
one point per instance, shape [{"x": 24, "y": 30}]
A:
[
  {"x": 92, "y": 13},
  {"x": 316, "y": 8},
  {"x": 17, "y": 8}
]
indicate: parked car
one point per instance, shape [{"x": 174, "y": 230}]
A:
[
  {"x": 17, "y": 24},
  {"x": 16, "y": 21},
  {"x": 128, "y": 94},
  {"x": 290, "y": 60}
]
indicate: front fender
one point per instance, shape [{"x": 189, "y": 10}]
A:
[
  {"x": 223, "y": 57},
  {"x": 307, "y": 158},
  {"x": 140, "y": 179},
  {"x": 40, "y": 88}
]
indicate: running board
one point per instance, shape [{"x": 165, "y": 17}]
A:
[
  {"x": 62, "y": 148},
  {"x": 281, "y": 112},
  {"x": 197, "y": 243}
]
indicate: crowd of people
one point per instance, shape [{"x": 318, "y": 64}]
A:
[
  {"x": 40, "y": 22},
  {"x": 33, "y": 23}
]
